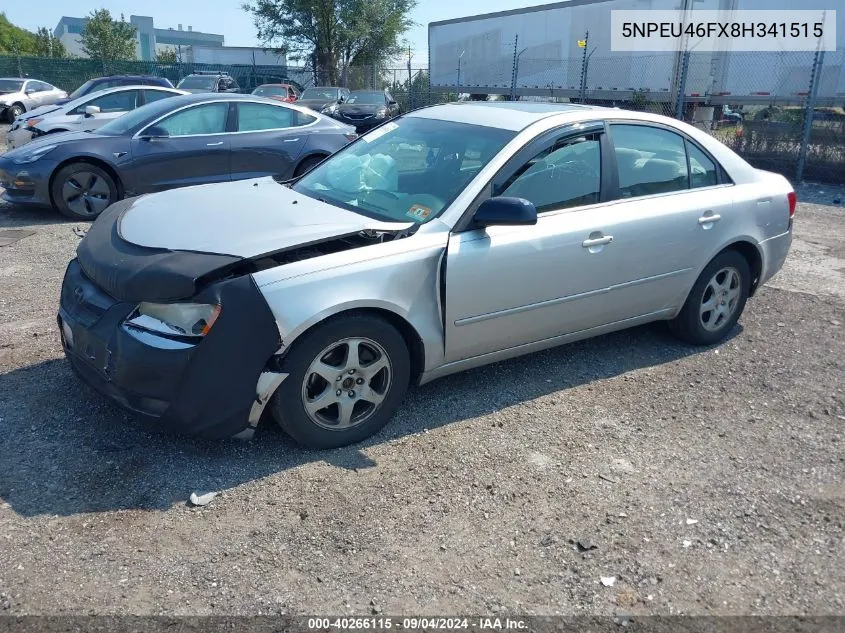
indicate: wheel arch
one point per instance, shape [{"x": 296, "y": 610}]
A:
[
  {"x": 91, "y": 160},
  {"x": 412, "y": 338},
  {"x": 752, "y": 255},
  {"x": 307, "y": 157}
]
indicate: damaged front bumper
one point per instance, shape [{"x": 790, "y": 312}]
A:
[{"x": 213, "y": 387}]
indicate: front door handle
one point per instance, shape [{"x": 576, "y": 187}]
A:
[
  {"x": 598, "y": 241},
  {"x": 708, "y": 219},
  {"x": 214, "y": 144}
]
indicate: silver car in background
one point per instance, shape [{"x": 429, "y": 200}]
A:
[
  {"x": 86, "y": 113},
  {"x": 19, "y": 95},
  {"x": 448, "y": 238}
]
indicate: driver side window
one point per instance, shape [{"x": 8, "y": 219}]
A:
[{"x": 566, "y": 175}]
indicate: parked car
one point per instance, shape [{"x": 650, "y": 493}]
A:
[
  {"x": 114, "y": 81},
  {"x": 282, "y": 92},
  {"x": 448, "y": 238},
  {"x": 365, "y": 109},
  {"x": 17, "y": 95},
  {"x": 183, "y": 140},
  {"x": 86, "y": 113},
  {"x": 209, "y": 82},
  {"x": 324, "y": 100}
]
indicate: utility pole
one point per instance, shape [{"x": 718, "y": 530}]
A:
[
  {"x": 410, "y": 82},
  {"x": 815, "y": 79},
  {"x": 459, "y": 68},
  {"x": 584, "y": 61}
]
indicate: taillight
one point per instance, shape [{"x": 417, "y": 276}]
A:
[{"x": 793, "y": 200}]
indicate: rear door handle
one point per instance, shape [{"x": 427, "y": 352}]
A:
[
  {"x": 214, "y": 144},
  {"x": 708, "y": 219},
  {"x": 599, "y": 241}
]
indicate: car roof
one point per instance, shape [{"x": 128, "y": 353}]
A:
[
  {"x": 508, "y": 115},
  {"x": 125, "y": 77}
]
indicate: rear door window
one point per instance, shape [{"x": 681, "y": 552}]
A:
[
  {"x": 703, "y": 172},
  {"x": 650, "y": 160}
]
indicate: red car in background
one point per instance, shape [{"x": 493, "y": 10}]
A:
[{"x": 280, "y": 92}]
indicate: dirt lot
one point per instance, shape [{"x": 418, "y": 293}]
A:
[{"x": 703, "y": 480}]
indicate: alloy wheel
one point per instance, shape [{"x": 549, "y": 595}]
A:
[
  {"x": 346, "y": 383},
  {"x": 86, "y": 193},
  {"x": 720, "y": 298}
]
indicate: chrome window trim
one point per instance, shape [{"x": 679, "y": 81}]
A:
[{"x": 228, "y": 103}]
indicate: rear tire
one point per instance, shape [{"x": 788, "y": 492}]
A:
[
  {"x": 82, "y": 191},
  {"x": 715, "y": 302},
  {"x": 307, "y": 165},
  {"x": 333, "y": 397}
]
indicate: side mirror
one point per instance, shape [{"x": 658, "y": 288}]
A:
[
  {"x": 154, "y": 132},
  {"x": 341, "y": 99},
  {"x": 91, "y": 110},
  {"x": 391, "y": 102},
  {"x": 504, "y": 211}
]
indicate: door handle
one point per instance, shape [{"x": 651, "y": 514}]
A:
[
  {"x": 214, "y": 144},
  {"x": 708, "y": 219},
  {"x": 599, "y": 241},
  {"x": 290, "y": 140}
]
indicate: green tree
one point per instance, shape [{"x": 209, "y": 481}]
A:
[
  {"x": 166, "y": 56},
  {"x": 337, "y": 33},
  {"x": 15, "y": 40},
  {"x": 107, "y": 39},
  {"x": 46, "y": 45}
]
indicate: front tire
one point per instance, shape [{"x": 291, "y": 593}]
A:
[
  {"x": 715, "y": 302},
  {"x": 346, "y": 379},
  {"x": 14, "y": 111},
  {"x": 82, "y": 191}
]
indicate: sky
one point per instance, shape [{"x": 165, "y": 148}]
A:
[{"x": 227, "y": 18}]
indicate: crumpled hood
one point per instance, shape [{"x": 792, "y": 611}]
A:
[{"x": 245, "y": 219}]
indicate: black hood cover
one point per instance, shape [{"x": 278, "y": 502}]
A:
[{"x": 135, "y": 273}]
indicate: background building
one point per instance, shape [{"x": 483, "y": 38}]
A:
[{"x": 150, "y": 39}]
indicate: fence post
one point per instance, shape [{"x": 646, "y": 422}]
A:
[
  {"x": 584, "y": 68},
  {"x": 682, "y": 86},
  {"x": 815, "y": 77}
]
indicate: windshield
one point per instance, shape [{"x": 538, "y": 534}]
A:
[
  {"x": 83, "y": 89},
  {"x": 198, "y": 82},
  {"x": 10, "y": 85},
  {"x": 266, "y": 91},
  {"x": 370, "y": 98},
  {"x": 409, "y": 169},
  {"x": 327, "y": 94}
]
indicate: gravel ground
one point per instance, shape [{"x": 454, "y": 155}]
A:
[{"x": 706, "y": 481}]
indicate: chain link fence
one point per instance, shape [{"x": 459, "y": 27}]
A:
[
  {"x": 69, "y": 74},
  {"x": 781, "y": 111}
]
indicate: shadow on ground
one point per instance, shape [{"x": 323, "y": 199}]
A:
[{"x": 66, "y": 450}]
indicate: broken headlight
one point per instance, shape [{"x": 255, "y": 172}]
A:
[{"x": 175, "y": 319}]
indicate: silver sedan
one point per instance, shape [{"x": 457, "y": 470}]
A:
[
  {"x": 19, "y": 95},
  {"x": 451, "y": 237}
]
